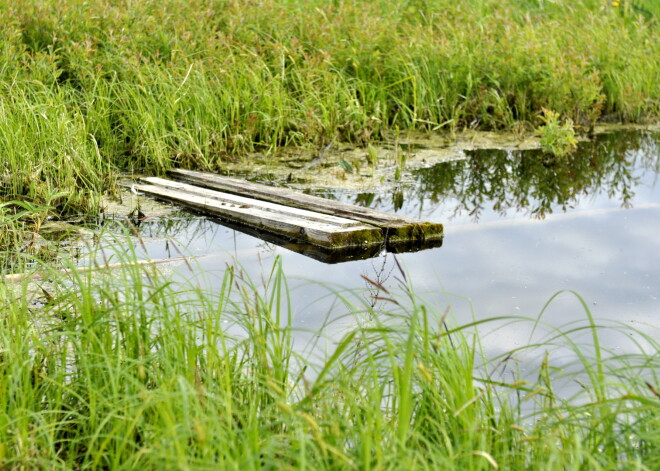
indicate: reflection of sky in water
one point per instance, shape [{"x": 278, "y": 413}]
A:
[{"x": 504, "y": 265}]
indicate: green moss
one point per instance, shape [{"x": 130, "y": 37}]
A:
[
  {"x": 408, "y": 235},
  {"x": 415, "y": 233},
  {"x": 359, "y": 238}
]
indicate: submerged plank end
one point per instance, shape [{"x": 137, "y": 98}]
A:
[
  {"x": 366, "y": 237},
  {"x": 418, "y": 233}
]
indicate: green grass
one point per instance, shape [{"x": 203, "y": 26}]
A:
[
  {"x": 129, "y": 369},
  {"x": 89, "y": 88}
]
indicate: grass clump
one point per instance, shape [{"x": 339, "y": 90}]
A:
[
  {"x": 90, "y": 88},
  {"x": 131, "y": 369}
]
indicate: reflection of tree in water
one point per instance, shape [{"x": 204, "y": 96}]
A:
[{"x": 537, "y": 183}]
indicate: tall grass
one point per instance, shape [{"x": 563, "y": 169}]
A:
[
  {"x": 129, "y": 368},
  {"x": 47, "y": 156},
  {"x": 90, "y": 87}
]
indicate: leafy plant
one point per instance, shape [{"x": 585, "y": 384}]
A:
[{"x": 557, "y": 138}]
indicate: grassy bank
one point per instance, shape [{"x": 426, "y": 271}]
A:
[
  {"x": 89, "y": 88},
  {"x": 129, "y": 369}
]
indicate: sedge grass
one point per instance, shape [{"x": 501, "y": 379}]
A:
[
  {"x": 89, "y": 88},
  {"x": 133, "y": 368}
]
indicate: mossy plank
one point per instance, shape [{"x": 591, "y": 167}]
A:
[
  {"x": 332, "y": 233},
  {"x": 418, "y": 233},
  {"x": 322, "y": 254},
  {"x": 399, "y": 228},
  {"x": 238, "y": 200}
]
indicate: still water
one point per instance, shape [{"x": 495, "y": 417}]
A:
[{"x": 520, "y": 226}]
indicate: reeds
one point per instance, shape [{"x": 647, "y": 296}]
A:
[
  {"x": 88, "y": 88},
  {"x": 132, "y": 368}
]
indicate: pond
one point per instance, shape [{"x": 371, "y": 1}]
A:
[{"x": 520, "y": 226}]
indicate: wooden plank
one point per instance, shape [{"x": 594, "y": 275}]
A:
[
  {"x": 399, "y": 229},
  {"x": 330, "y": 233},
  {"x": 288, "y": 197},
  {"x": 236, "y": 200},
  {"x": 322, "y": 254}
]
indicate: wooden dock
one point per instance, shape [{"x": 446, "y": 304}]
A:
[{"x": 291, "y": 214}]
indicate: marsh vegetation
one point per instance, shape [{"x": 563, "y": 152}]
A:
[
  {"x": 134, "y": 367},
  {"x": 92, "y": 88},
  {"x": 129, "y": 368}
]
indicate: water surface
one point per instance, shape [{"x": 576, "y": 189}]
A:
[{"x": 519, "y": 227}]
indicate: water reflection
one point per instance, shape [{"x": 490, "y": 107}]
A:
[
  {"x": 528, "y": 182},
  {"x": 520, "y": 226}
]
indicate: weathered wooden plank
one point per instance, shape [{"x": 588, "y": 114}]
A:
[
  {"x": 288, "y": 197},
  {"x": 237, "y": 200},
  {"x": 399, "y": 229},
  {"x": 331, "y": 233},
  {"x": 322, "y": 254}
]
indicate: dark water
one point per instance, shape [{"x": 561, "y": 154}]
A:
[{"x": 519, "y": 227}]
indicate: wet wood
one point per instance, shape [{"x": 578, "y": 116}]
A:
[
  {"x": 399, "y": 229},
  {"x": 322, "y": 254},
  {"x": 298, "y": 224}
]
